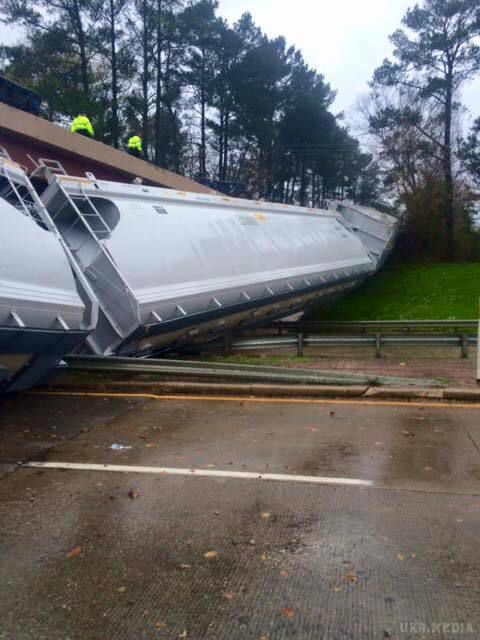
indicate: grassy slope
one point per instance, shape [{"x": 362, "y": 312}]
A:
[{"x": 411, "y": 292}]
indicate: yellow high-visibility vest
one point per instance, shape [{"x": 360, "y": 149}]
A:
[
  {"x": 135, "y": 142},
  {"x": 82, "y": 123}
]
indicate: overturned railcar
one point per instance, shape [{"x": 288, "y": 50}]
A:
[
  {"x": 171, "y": 268},
  {"x": 125, "y": 269},
  {"x": 376, "y": 230},
  {"x": 46, "y": 307}
]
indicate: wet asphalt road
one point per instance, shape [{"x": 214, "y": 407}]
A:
[{"x": 101, "y": 555}]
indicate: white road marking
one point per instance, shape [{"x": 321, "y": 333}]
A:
[{"x": 204, "y": 473}]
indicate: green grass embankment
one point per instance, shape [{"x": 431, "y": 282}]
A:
[{"x": 411, "y": 292}]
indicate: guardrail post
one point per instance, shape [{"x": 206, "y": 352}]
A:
[
  {"x": 300, "y": 345},
  {"x": 228, "y": 344},
  {"x": 478, "y": 352},
  {"x": 378, "y": 345},
  {"x": 464, "y": 345}
]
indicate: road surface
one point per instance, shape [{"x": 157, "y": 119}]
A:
[{"x": 239, "y": 519}]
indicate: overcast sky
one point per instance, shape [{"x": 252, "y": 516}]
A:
[{"x": 343, "y": 39}]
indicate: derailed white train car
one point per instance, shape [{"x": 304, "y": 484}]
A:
[
  {"x": 172, "y": 268},
  {"x": 46, "y": 306},
  {"x": 136, "y": 270}
]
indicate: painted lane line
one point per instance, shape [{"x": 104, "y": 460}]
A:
[
  {"x": 204, "y": 473},
  {"x": 412, "y": 404}
]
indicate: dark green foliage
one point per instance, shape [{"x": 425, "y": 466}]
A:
[
  {"x": 434, "y": 55},
  {"x": 213, "y": 101},
  {"x": 470, "y": 152}
]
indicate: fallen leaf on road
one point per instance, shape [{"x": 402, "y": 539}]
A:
[
  {"x": 211, "y": 554},
  {"x": 264, "y": 557},
  {"x": 337, "y": 589},
  {"x": 264, "y": 638},
  {"x": 400, "y": 556},
  {"x": 73, "y": 553},
  {"x": 288, "y": 613},
  {"x": 160, "y": 625},
  {"x": 230, "y": 596},
  {"x": 265, "y": 515},
  {"x": 352, "y": 577},
  {"x": 133, "y": 494}
]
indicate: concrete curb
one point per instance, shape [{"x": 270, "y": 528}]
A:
[
  {"x": 215, "y": 389},
  {"x": 404, "y": 394},
  {"x": 465, "y": 395}
]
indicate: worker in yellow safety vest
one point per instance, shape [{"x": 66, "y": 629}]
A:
[
  {"x": 135, "y": 147},
  {"x": 83, "y": 126}
]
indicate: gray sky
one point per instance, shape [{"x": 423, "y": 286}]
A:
[{"x": 343, "y": 39}]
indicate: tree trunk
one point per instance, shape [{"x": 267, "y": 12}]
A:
[
  {"x": 226, "y": 140},
  {"x": 303, "y": 185},
  {"x": 113, "y": 45},
  {"x": 203, "y": 126},
  {"x": 158, "y": 90},
  {"x": 145, "y": 76},
  {"x": 220, "y": 144},
  {"x": 82, "y": 43},
  {"x": 448, "y": 173}
]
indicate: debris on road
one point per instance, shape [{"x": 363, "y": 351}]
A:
[{"x": 288, "y": 613}]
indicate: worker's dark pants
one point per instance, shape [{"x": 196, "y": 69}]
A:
[
  {"x": 135, "y": 153},
  {"x": 83, "y": 132}
]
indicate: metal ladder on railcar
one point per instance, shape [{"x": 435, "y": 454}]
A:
[
  {"x": 117, "y": 302},
  {"x": 18, "y": 191}
]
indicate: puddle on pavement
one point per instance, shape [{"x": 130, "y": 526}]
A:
[{"x": 429, "y": 448}]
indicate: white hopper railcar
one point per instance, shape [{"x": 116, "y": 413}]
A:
[
  {"x": 171, "y": 268},
  {"x": 46, "y": 307},
  {"x": 134, "y": 270}
]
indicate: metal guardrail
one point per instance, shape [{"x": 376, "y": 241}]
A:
[
  {"x": 312, "y": 326},
  {"x": 378, "y": 340},
  {"x": 217, "y": 371}
]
